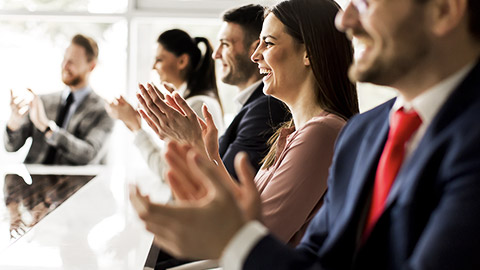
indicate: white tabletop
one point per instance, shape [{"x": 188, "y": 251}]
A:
[{"x": 96, "y": 228}]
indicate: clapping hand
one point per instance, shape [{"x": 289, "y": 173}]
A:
[
  {"x": 37, "y": 112},
  {"x": 170, "y": 116},
  {"x": 19, "y": 108},
  {"x": 120, "y": 109},
  {"x": 204, "y": 219}
]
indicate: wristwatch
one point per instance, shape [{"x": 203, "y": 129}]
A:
[{"x": 52, "y": 126}]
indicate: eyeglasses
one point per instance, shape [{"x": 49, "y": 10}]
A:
[{"x": 360, "y": 5}]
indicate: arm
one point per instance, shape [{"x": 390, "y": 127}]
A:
[
  {"x": 15, "y": 139},
  {"x": 295, "y": 190},
  {"x": 450, "y": 238},
  {"x": 151, "y": 152},
  {"x": 81, "y": 149}
]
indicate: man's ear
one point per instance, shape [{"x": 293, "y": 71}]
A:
[
  {"x": 446, "y": 15},
  {"x": 92, "y": 65},
  {"x": 183, "y": 60}
]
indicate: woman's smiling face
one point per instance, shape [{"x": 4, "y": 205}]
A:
[{"x": 281, "y": 59}]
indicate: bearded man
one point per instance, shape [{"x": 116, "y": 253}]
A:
[{"x": 69, "y": 127}]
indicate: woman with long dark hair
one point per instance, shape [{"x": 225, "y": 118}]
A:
[
  {"x": 180, "y": 62},
  {"x": 305, "y": 63}
]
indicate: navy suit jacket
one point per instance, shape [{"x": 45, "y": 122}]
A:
[
  {"x": 432, "y": 215},
  {"x": 251, "y": 128}
]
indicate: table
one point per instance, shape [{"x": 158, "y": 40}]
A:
[{"x": 72, "y": 218}]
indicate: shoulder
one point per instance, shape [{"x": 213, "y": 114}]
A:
[
  {"x": 375, "y": 115},
  {"x": 322, "y": 128}
]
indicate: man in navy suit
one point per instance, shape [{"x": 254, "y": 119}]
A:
[
  {"x": 425, "y": 143},
  {"x": 259, "y": 114}
]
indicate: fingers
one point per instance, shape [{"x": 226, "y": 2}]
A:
[
  {"x": 184, "y": 182},
  {"x": 31, "y": 92},
  {"x": 183, "y": 104},
  {"x": 245, "y": 171},
  {"x": 149, "y": 99},
  {"x": 170, "y": 88},
  {"x": 205, "y": 169},
  {"x": 151, "y": 123},
  {"x": 154, "y": 88},
  {"x": 209, "y": 118},
  {"x": 173, "y": 104},
  {"x": 121, "y": 100}
]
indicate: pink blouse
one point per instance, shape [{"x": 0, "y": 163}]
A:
[{"x": 292, "y": 189}]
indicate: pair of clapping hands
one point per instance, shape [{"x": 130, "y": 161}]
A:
[
  {"x": 21, "y": 105},
  {"x": 209, "y": 207}
]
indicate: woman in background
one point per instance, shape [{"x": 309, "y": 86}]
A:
[{"x": 179, "y": 62}]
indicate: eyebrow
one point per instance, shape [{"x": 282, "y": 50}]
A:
[{"x": 268, "y": 36}]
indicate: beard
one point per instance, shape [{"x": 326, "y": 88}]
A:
[
  {"x": 72, "y": 80},
  {"x": 240, "y": 71},
  {"x": 406, "y": 51}
]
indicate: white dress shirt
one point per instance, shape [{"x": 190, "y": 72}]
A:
[
  {"x": 427, "y": 106},
  {"x": 242, "y": 97}
]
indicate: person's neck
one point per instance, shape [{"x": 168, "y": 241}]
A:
[
  {"x": 304, "y": 106},
  {"x": 439, "y": 65},
  {"x": 74, "y": 88},
  {"x": 244, "y": 85},
  {"x": 178, "y": 83}
]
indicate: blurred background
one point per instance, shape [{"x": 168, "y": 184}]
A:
[{"x": 35, "y": 33}]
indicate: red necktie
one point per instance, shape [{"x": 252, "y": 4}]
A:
[{"x": 402, "y": 127}]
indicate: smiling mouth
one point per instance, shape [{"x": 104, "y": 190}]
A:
[{"x": 267, "y": 73}]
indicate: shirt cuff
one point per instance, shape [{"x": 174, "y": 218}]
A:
[
  {"x": 242, "y": 243},
  {"x": 54, "y": 128}
]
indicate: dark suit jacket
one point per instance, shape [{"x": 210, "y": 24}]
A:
[
  {"x": 82, "y": 142},
  {"x": 432, "y": 216},
  {"x": 251, "y": 128}
]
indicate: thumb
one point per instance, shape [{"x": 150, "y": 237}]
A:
[
  {"x": 245, "y": 171},
  {"x": 170, "y": 88},
  {"x": 208, "y": 117}
]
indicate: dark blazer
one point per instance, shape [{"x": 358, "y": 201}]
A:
[
  {"x": 83, "y": 142},
  {"x": 251, "y": 128},
  {"x": 432, "y": 216}
]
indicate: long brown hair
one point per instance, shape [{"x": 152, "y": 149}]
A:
[{"x": 312, "y": 22}]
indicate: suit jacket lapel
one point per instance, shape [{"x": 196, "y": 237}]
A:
[
  {"x": 455, "y": 104},
  {"x": 361, "y": 183},
  {"x": 226, "y": 138},
  {"x": 78, "y": 115}
]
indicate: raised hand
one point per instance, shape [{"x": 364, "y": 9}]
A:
[
  {"x": 199, "y": 228},
  {"x": 178, "y": 122},
  {"x": 187, "y": 186},
  {"x": 37, "y": 112},
  {"x": 19, "y": 108},
  {"x": 122, "y": 110}
]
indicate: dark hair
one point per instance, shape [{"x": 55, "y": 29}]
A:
[
  {"x": 90, "y": 46},
  {"x": 474, "y": 18},
  {"x": 200, "y": 72},
  {"x": 312, "y": 22},
  {"x": 250, "y": 18}
]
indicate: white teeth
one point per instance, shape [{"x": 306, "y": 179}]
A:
[{"x": 265, "y": 71}]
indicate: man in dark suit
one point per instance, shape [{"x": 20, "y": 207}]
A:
[
  {"x": 404, "y": 184},
  {"x": 68, "y": 127},
  {"x": 259, "y": 114}
]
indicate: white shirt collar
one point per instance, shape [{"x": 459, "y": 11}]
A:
[
  {"x": 242, "y": 97},
  {"x": 429, "y": 103},
  {"x": 78, "y": 96},
  {"x": 182, "y": 89}
]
